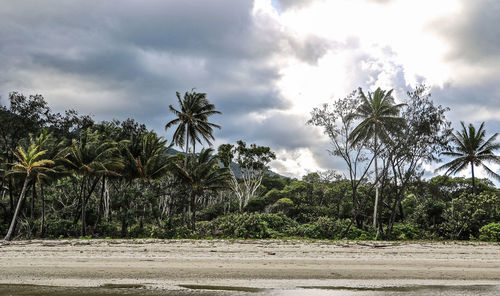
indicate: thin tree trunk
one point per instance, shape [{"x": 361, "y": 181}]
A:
[
  {"x": 376, "y": 186},
  {"x": 101, "y": 202},
  {"x": 84, "y": 203},
  {"x": 473, "y": 180},
  {"x": 193, "y": 212},
  {"x": 11, "y": 195},
  {"x": 187, "y": 148},
  {"x": 84, "y": 232},
  {"x": 42, "y": 226},
  {"x": 78, "y": 206},
  {"x": 8, "y": 237},
  {"x": 33, "y": 197}
]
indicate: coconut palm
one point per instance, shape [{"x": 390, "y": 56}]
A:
[
  {"x": 471, "y": 147},
  {"x": 91, "y": 157},
  {"x": 202, "y": 175},
  {"x": 379, "y": 114},
  {"x": 46, "y": 141},
  {"x": 192, "y": 121},
  {"x": 146, "y": 157},
  {"x": 29, "y": 163}
]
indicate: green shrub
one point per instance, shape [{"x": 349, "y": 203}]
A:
[
  {"x": 204, "y": 229},
  {"x": 107, "y": 229},
  {"x": 326, "y": 227},
  {"x": 248, "y": 225},
  {"x": 282, "y": 205},
  {"x": 308, "y": 230},
  {"x": 256, "y": 204},
  {"x": 490, "y": 232},
  {"x": 56, "y": 228},
  {"x": 405, "y": 231},
  {"x": 179, "y": 232},
  {"x": 156, "y": 232}
]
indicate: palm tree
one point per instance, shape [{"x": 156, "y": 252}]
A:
[
  {"x": 471, "y": 147},
  {"x": 202, "y": 175},
  {"x": 146, "y": 157},
  {"x": 379, "y": 114},
  {"x": 29, "y": 163},
  {"x": 48, "y": 142},
  {"x": 91, "y": 156},
  {"x": 192, "y": 121}
]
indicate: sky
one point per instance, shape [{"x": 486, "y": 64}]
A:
[{"x": 264, "y": 64}]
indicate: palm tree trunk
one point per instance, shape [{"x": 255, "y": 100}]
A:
[
  {"x": 33, "y": 197},
  {"x": 11, "y": 197},
  {"x": 193, "y": 211},
  {"x": 473, "y": 180},
  {"x": 84, "y": 208},
  {"x": 79, "y": 204},
  {"x": 101, "y": 202},
  {"x": 42, "y": 226},
  {"x": 187, "y": 148},
  {"x": 376, "y": 185},
  {"x": 8, "y": 237}
]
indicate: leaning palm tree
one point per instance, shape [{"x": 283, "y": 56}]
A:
[
  {"x": 29, "y": 163},
  {"x": 192, "y": 121},
  {"x": 203, "y": 175},
  {"x": 379, "y": 114},
  {"x": 471, "y": 147}
]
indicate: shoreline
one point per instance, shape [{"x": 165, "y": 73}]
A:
[{"x": 167, "y": 264}]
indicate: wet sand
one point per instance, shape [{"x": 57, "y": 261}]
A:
[{"x": 169, "y": 264}]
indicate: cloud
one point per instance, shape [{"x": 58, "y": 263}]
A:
[
  {"x": 265, "y": 64},
  {"x": 474, "y": 32}
]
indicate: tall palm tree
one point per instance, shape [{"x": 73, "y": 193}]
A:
[
  {"x": 91, "y": 156},
  {"x": 29, "y": 163},
  {"x": 192, "y": 121},
  {"x": 379, "y": 114},
  {"x": 146, "y": 157},
  {"x": 202, "y": 175},
  {"x": 471, "y": 147}
]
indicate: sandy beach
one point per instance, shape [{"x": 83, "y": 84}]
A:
[{"x": 167, "y": 264}]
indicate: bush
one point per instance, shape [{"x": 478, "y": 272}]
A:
[
  {"x": 248, "y": 225},
  {"x": 107, "y": 229},
  {"x": 179, "y": 232},
  {"x": 405, "y": 231},
  {"x": 490, "y": 232},
  {"x": 56, "y": 228},
  {"x": 256, "y": 204},
  {"x": 282, "y": 205},
  {"x": 307, "y": 230}
]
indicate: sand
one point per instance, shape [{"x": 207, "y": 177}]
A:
[{"x": 167, "y": 264}]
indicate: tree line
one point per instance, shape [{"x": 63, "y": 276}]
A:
[{"x": 65, "y": 175}]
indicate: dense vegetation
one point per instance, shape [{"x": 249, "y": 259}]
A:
[{"x": 64, "y": 175}]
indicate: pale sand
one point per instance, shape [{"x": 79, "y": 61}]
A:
[{"x": 265, "y": 264}]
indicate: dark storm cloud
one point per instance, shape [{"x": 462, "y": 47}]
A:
[
  {"x": 119, "y": 59},
  {"x": 474, "y": 33},
  {"x": 474, "y": 39},
  {"x": 149, "y": 48}
]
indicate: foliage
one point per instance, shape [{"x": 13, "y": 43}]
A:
[
  {"x": 472, "y": 148},
  {"x": 252, "y": 165},
  {"x": 192, "y": 119},
  {"x": 490, "y": 232},
  {"x": 406, "y": 231},
  {"x": 67, "y": 176}
]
